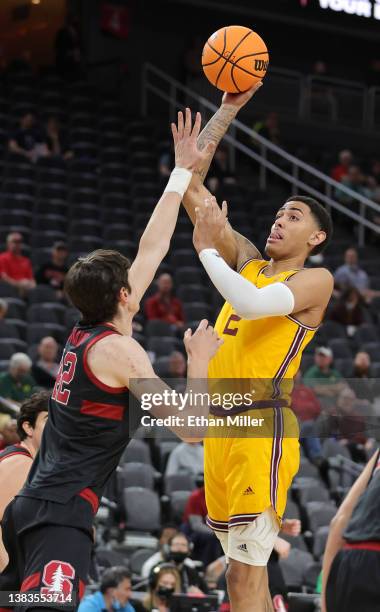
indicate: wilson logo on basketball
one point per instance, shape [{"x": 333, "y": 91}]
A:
[{"x": 261, "y": 64}]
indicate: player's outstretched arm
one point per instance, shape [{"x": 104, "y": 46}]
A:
[
  {"x": 124, "y": 363},
  {"x": 308, "y": 291},
  {"x": 235, "y": 248},
  {"x": 340, "y": 521},
  {"x": 155, "y": 241}
]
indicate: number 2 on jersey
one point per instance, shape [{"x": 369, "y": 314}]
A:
[{"x": 64, "y": 377}]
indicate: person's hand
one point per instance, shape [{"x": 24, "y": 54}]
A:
[
  {"x": 210, "y": 224},
  {"x": 187, "y": 154},
  {"x": 240, "y": 99},
  {"x": 203, "y": 343},
  {"x": 282, "y": 548},
  {"x": 291, "y": 527},
  {"x": 194, "y": 590}
]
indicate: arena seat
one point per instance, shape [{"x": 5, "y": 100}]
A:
[
  {"x": 319, "y": 514},
  {"x": 178, "y": 501},
  {"x": 142, "y": 509},
  {"x": 295, "y": 566},
  {"x": 320, "y": 539},
  {"x": 138, "y": 474},
  {"x": 178, "y": 482},
  {"x": 136, "y": 451}
]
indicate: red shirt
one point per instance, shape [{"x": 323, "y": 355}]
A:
[
  {"x": 305, "y": 403},
  {"x": 339, "y": 172},
  {"x": 16, "y": 267},
  {"x": 170, "y": 311},
  {"x": 196, "y": 504}
]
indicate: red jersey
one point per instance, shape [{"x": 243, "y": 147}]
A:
[
  {"x": 196, "y": 504},
  {"x": 16, "y": 267}
]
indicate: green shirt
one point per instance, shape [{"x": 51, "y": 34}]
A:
[
  {"x": 17, "y": 391},
  {"x": 323, "y": 378}
]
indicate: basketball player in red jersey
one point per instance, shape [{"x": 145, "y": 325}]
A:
[
  {"x": 48, "y": 527},
  {"x": 16, "y": 459}
]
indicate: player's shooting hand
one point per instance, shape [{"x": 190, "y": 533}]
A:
[
  {"x": 187, "y": 154},
  {"x": 241, "y": 99},
  {"x": 203, "y": 343},
  {"x": 210, "y": 224}
]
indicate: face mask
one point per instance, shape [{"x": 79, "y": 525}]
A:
[
  {"x": 164, "y": 592},
  {"x": 177, "y": 557}
]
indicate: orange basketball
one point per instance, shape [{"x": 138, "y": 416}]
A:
[{"x": 235, "y": 58}]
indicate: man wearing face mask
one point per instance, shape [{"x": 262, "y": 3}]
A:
[{"x": 179, "y": 553}]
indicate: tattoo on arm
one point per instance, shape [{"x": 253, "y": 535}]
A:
[
  {"x": 214, "y": 132},
  {"x": 246, "y": 250}
]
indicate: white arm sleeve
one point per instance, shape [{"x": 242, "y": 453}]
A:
[{"x": 248, "y": 301}]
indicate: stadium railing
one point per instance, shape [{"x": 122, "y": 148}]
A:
[{"x": 301, "y": 176}]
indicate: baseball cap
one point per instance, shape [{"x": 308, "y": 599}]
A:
[{"x": 324, "y": 350}]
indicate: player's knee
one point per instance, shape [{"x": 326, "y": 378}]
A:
[{"x": 242, "y": 578}]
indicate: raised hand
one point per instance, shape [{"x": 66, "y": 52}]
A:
[
  {"x": 203, "y": 343},
  {"x": 240, "y": 99},
  {"x": 187, "y": 153},
  {"x": 210, "y": 224}
]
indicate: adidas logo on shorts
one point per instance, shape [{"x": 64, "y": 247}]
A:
[
  {"x": 249, "y": 491},
  {"x": 243, "y": 547}
]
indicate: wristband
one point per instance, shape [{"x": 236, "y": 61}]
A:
[{"x": 179, "y": 181}]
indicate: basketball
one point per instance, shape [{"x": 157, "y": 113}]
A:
[{"x": 235, "y": 58}]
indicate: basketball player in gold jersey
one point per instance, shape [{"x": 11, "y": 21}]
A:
[{"x": 272, "y": 311}]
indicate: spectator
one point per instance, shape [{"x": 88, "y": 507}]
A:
[
  {"x": 177, "y": 365},
  {"x": 362, "y": 365},
  {"x": 28, "y": 140},
  {"x": 349, "y": 310},
  {"x": 269, "y": 128},
  {"x": 3, "y": 309},
  {"x": 163, "y": 305},
  {"x": 167, "y": 532},
  {"x": 185, "y": 458},
  {"x": 46, "y": 367},
  {"x": 68, "y": 49},
  {"x": 220, "y": 171},
  {"x": 114, "y": 593},
  {"x": 326, "y": 381},
  {"x": 179, "y": 553},
  {"x": 54, "y": 271},
  {"x": 304, "y": 400},
  {"x": 16, "y": 269},
  {"x": 351, "y": 275},
  {"x": 206, "y": 546},
  {"x": 164, "y": 582},
  {"x": 17, "y": 384},
  {"x": 348, "y": 425},
  {"x": 56, "y": 143},
  {"x": 340, "y": 171},
  {"x": 355, "y": 181}
]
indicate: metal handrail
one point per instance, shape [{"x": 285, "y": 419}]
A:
[{"x": 265, "y": 146}]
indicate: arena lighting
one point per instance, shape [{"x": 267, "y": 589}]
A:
[
  {"x": 36, "y": 1},
  {"x": 359, "y": 8}
]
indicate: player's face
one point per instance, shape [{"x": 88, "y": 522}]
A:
[
  {"x": 293, "y": 229},
  {"x": 39, "y": 427}
]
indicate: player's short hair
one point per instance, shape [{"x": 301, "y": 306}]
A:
[
  {"x": 322, "y": 218},
  {"x": 30, "y": 409},
  {"x": 93, "y": 284},
  {"x": 113, "y": 576}
]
